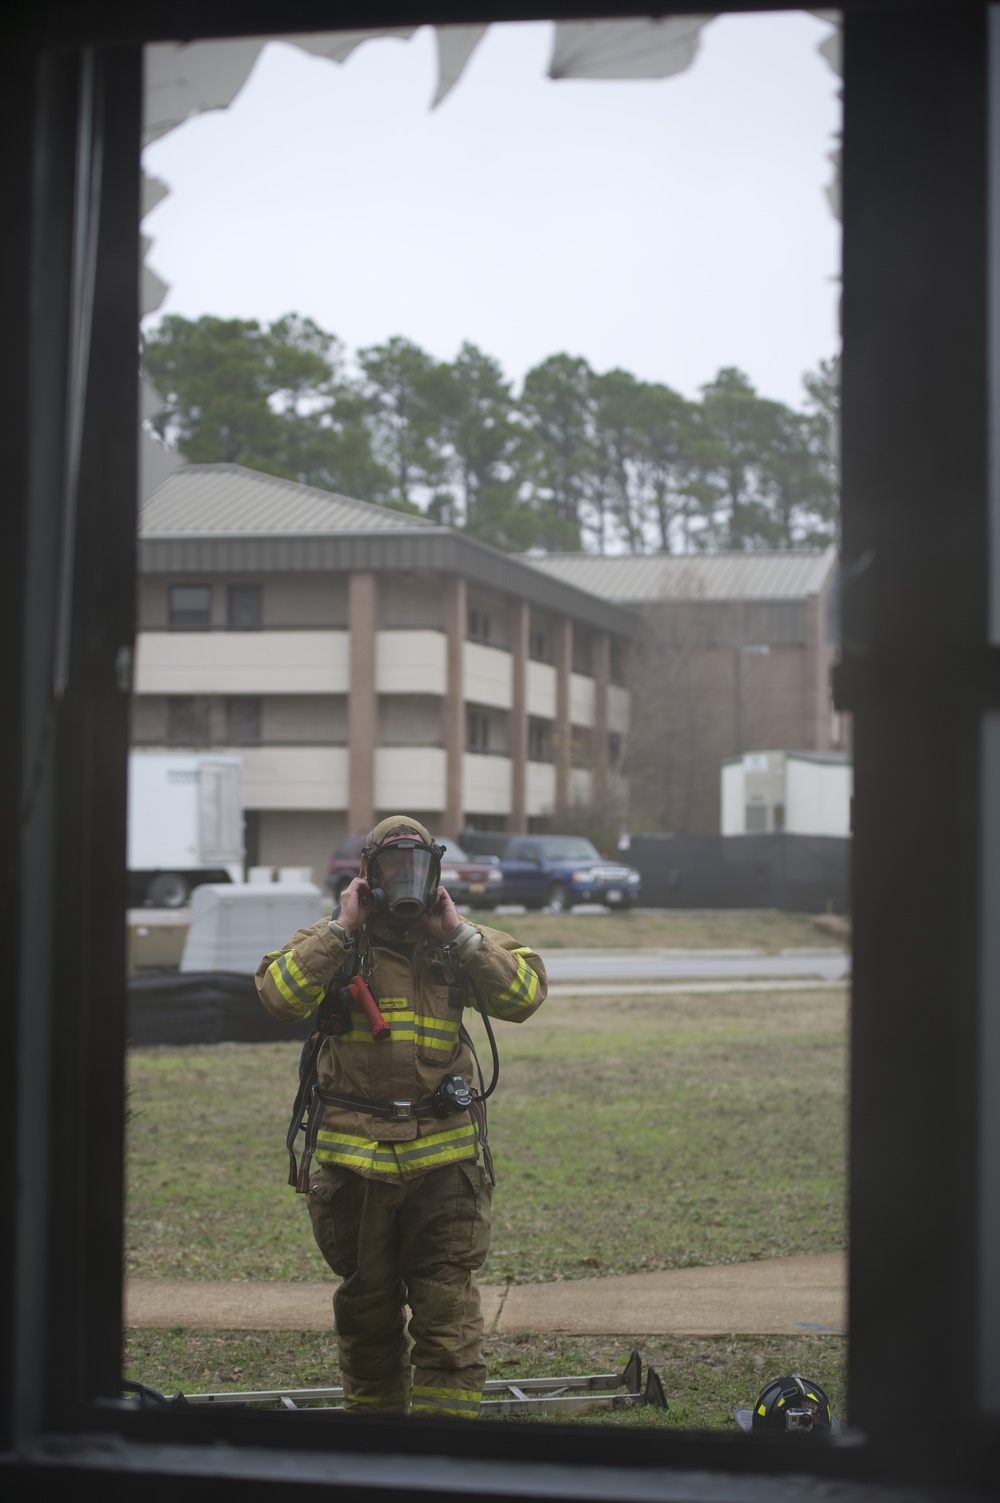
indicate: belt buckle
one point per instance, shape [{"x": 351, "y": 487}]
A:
[{"x": 402, "y": 1111}]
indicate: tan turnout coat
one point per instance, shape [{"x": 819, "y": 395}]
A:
[{"x": 424, "y": 1008}]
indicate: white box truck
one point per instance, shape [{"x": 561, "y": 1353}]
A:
[{"x": 185, "y": 824}]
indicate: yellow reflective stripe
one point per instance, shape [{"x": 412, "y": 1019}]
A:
[
  {"x": 355, "y": 1153},
  {"x": 407, "y": 1028},
  {"x": 522, "y": 991},
  {"x": 438, "y": 1148},
  {"x": 357, "y": 1036},
  {"x": 311, "y": 988},
  {"x": 521, "y": 984},
  {"x": 300, "y": 994},
  {"x": 462, "y": 1402},
  {"x": 397, "y": 1158}
]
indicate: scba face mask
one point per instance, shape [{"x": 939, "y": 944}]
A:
[{"x": 403, "y": 875}]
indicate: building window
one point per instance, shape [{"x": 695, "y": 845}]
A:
[
  {"x": 477, "y": 731},
  {"x": 580, "y": 746},
  {"x": 245, "y": 607},
  {"x": 188, "y": 720},
  {"x": 539, "y": 741},
  {"x": 479, "y": 626},
  {"x": 538, "y": 647},
  {"x": 189, "y": 606},
  {"x": 582, "y": 661},
  {"x": 618, "y": 658},
  {"x": 243, "y": 721}
]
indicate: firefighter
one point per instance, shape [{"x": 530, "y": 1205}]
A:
[{"x": 397, "y": 1168}]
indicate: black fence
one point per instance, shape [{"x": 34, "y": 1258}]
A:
[{"x": 797, "y": 873}]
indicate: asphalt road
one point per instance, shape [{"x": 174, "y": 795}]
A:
[{"x": 699, "y": 965}]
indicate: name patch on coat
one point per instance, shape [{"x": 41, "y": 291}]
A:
[{"x": 394, "y": 1004}]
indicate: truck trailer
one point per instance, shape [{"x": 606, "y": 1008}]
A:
[{"x": 185, "y": 825}]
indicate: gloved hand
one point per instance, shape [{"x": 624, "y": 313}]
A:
[
  {"x": 442, "y": 918},
  {"x": 355, "y": 905}
]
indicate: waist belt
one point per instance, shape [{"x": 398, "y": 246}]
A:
[{"x": 392, "y": 1111}]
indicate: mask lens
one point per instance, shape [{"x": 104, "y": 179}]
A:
[{"x": 406, "y": 874}]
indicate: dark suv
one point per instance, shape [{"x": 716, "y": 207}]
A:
[
  {"x": 558, "y": 871},
  {"x": 472, "y": 881}
]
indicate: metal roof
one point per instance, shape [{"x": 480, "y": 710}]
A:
[
  {"x": 226, "y": 500},
  {"x": 631, "y": 580},
  {"x": 224, "y": 519}
]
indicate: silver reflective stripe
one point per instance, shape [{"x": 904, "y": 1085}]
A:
[
  {"x": 449, "y": 1037},
  {"x": 308, "y": 1000},
  {"x": 430, "y": 1148},
  {"x": 452, "y": 1406},
  {"x": 519, "y": 990},
  {"x": 368, "y": 1153}
]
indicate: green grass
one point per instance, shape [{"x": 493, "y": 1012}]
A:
[
  {"x": 681, "y": 929},
  {"x": 668, "y": 1132},
  {"x": 641, "y": 1133},
  {"x": 705, "y": 1378},
  {"x": 631, "y": 1134}
]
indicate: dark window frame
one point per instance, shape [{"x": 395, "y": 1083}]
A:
[
  {"x": 540, "y": 743},
  {"x": 539, "y": 650},
  {"x": 917, "y": 672},
  {"x": 477, "y": 730},
  {"x": 243, "y": 717},
  {"x": 248, "y": 591},
  {"x": 479, "y": 627},
  {"x": 189, "y": 720},
  {"x": 190, "y": 619}
]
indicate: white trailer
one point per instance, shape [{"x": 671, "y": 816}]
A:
[
  {"x": 185, "y": 824},
  {"x": 799, "y": 793},
  {"x": 232, "y": 927}
]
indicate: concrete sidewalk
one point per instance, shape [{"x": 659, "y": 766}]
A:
[{"x": 779, "y": 1297}]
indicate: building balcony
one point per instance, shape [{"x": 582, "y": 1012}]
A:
[
  {"x": 581, "y": 699},
  {"x": 488, "y": 677},
  {"x": 487, "y": 783},
  {"x": 580, "y": 785},
  {"x": 236, "y": 663},
  {"x": 618, "y": 709},
  {"x": 540, "y": 790},
  {"x": 411, "y": 661},
  {"x": 410, "y": 777},
  {"x": 542, "y": 690},
  {"x": 294, "y": 777}
]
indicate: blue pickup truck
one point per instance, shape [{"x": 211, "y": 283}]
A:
[{"x": 556, "y": 871}]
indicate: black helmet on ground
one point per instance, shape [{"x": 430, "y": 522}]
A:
[{"x": 790, "y": 1406}]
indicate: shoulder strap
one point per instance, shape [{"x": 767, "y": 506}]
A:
[{"x": 299, "y": 1177}]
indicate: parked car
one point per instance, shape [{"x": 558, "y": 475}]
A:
[
  {"x": 472, "y": 881},
  {"x": 557, "y": 871}
]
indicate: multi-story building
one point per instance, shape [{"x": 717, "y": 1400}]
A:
[
  {"x": 363, "y": 661},
  {"x": 734, "y": 657}
]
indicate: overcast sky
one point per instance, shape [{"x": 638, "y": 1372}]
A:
[{"x": 668, "y": 227}]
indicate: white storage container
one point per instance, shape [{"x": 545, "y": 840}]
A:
[
  {"x": 233, "y": 927},
  {"x": 799, "y": 793}
]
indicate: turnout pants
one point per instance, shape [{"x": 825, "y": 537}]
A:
[{"x": 412, "y": 1241}]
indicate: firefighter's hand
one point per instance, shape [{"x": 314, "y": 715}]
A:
[
  {"x": 442, "y": 917},
  {"x": 355, "y": 904}
]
